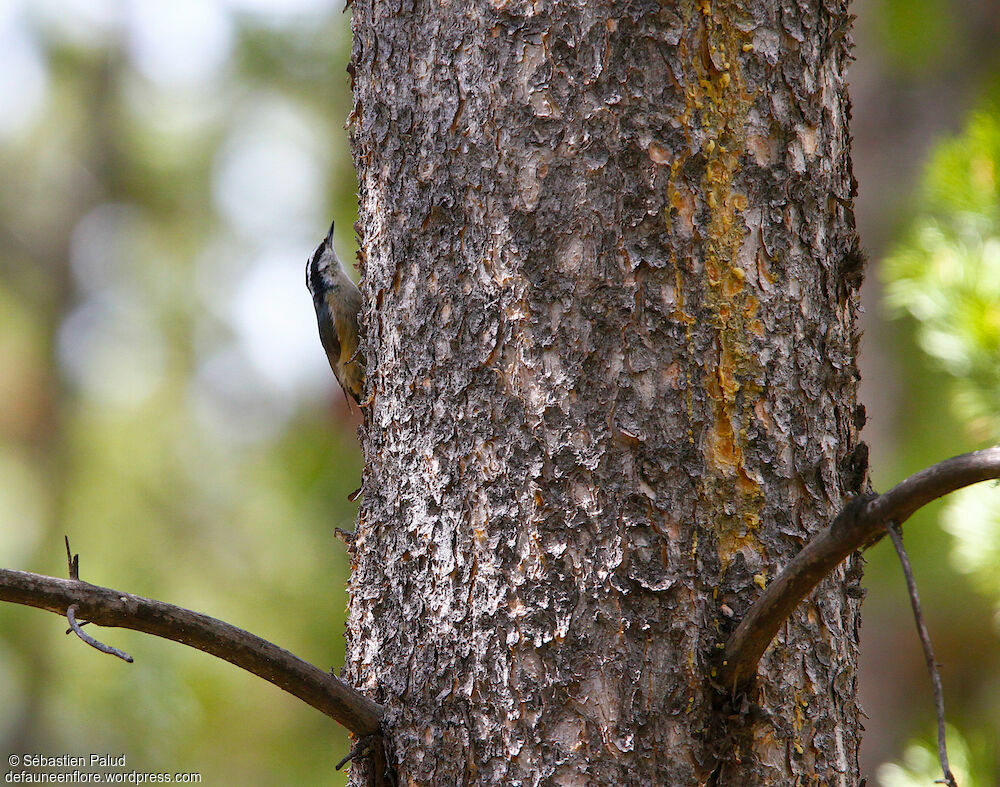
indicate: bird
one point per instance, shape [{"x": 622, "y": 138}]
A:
[{"x": 338, "y": 305}]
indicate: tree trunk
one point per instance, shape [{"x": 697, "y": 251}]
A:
[{"x": 611, "y": 349}]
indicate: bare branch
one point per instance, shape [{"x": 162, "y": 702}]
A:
[
  {"x": 925, "y": 643},
  {"x": 859, "y": 523},
  {"x": 107, "y": 607},
  {"x": 900, "y": 502},
  {"x": 75, "y": 628},
  {"x": 363, "y": 746}
]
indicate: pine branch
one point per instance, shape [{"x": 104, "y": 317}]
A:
[
  {"x": 107, "y": 607},
  {"x": 859, "y": 523}
]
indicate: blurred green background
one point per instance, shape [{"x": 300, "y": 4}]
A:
[{"x": 165, "y": 170}]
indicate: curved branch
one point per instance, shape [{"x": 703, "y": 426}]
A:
[
  {"x": 860, "y": 522},
  {"x": 906, "y": 497},
  {"x": 107, "y": 607},
  {"x": 83, "y": 635}
]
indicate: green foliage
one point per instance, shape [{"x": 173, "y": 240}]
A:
[
  {"x": 155, "y": 219},
  {"x": 919, "y": 766},
  {"x": 972, "y": 517},
  {"x": 944, "y": 276},
  {"x": 946, "y": 272}
]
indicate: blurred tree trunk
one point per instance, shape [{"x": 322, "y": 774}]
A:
[{"x": 611, "y": 350}]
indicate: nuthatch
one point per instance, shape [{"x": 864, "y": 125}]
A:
[{"x": 338, "y": 303}]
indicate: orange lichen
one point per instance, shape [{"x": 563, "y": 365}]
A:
[{"x": 717, "y": 103}]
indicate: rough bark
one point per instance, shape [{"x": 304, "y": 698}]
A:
[{"x": 611, "y": 345}]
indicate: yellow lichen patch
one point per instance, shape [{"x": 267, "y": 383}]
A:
[
  {"x": 728, "y": 381},
  {"x": 717, "y": 103},
  {"x": 746, "y": 485},
  {"x": 731, "y": 541},
  {"x": 750, "y": 306},
  {"x": 723, "y": 445},
  {"x": 732, "y": 284},
  {"x": 678, "y": 313},
  {"x": 798, "y": 721}
]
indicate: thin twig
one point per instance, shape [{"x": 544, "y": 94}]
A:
[
  {"x": 860, "y": 522},
  {"x": 107, "y": 607},
  {"x": 925, "y": 643},
  {"x": 73, "y": 569},
  {"x": 75, "y": 628},
  {"x": 363, "y": 745},
  {"x": 72, "y": 561}
]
